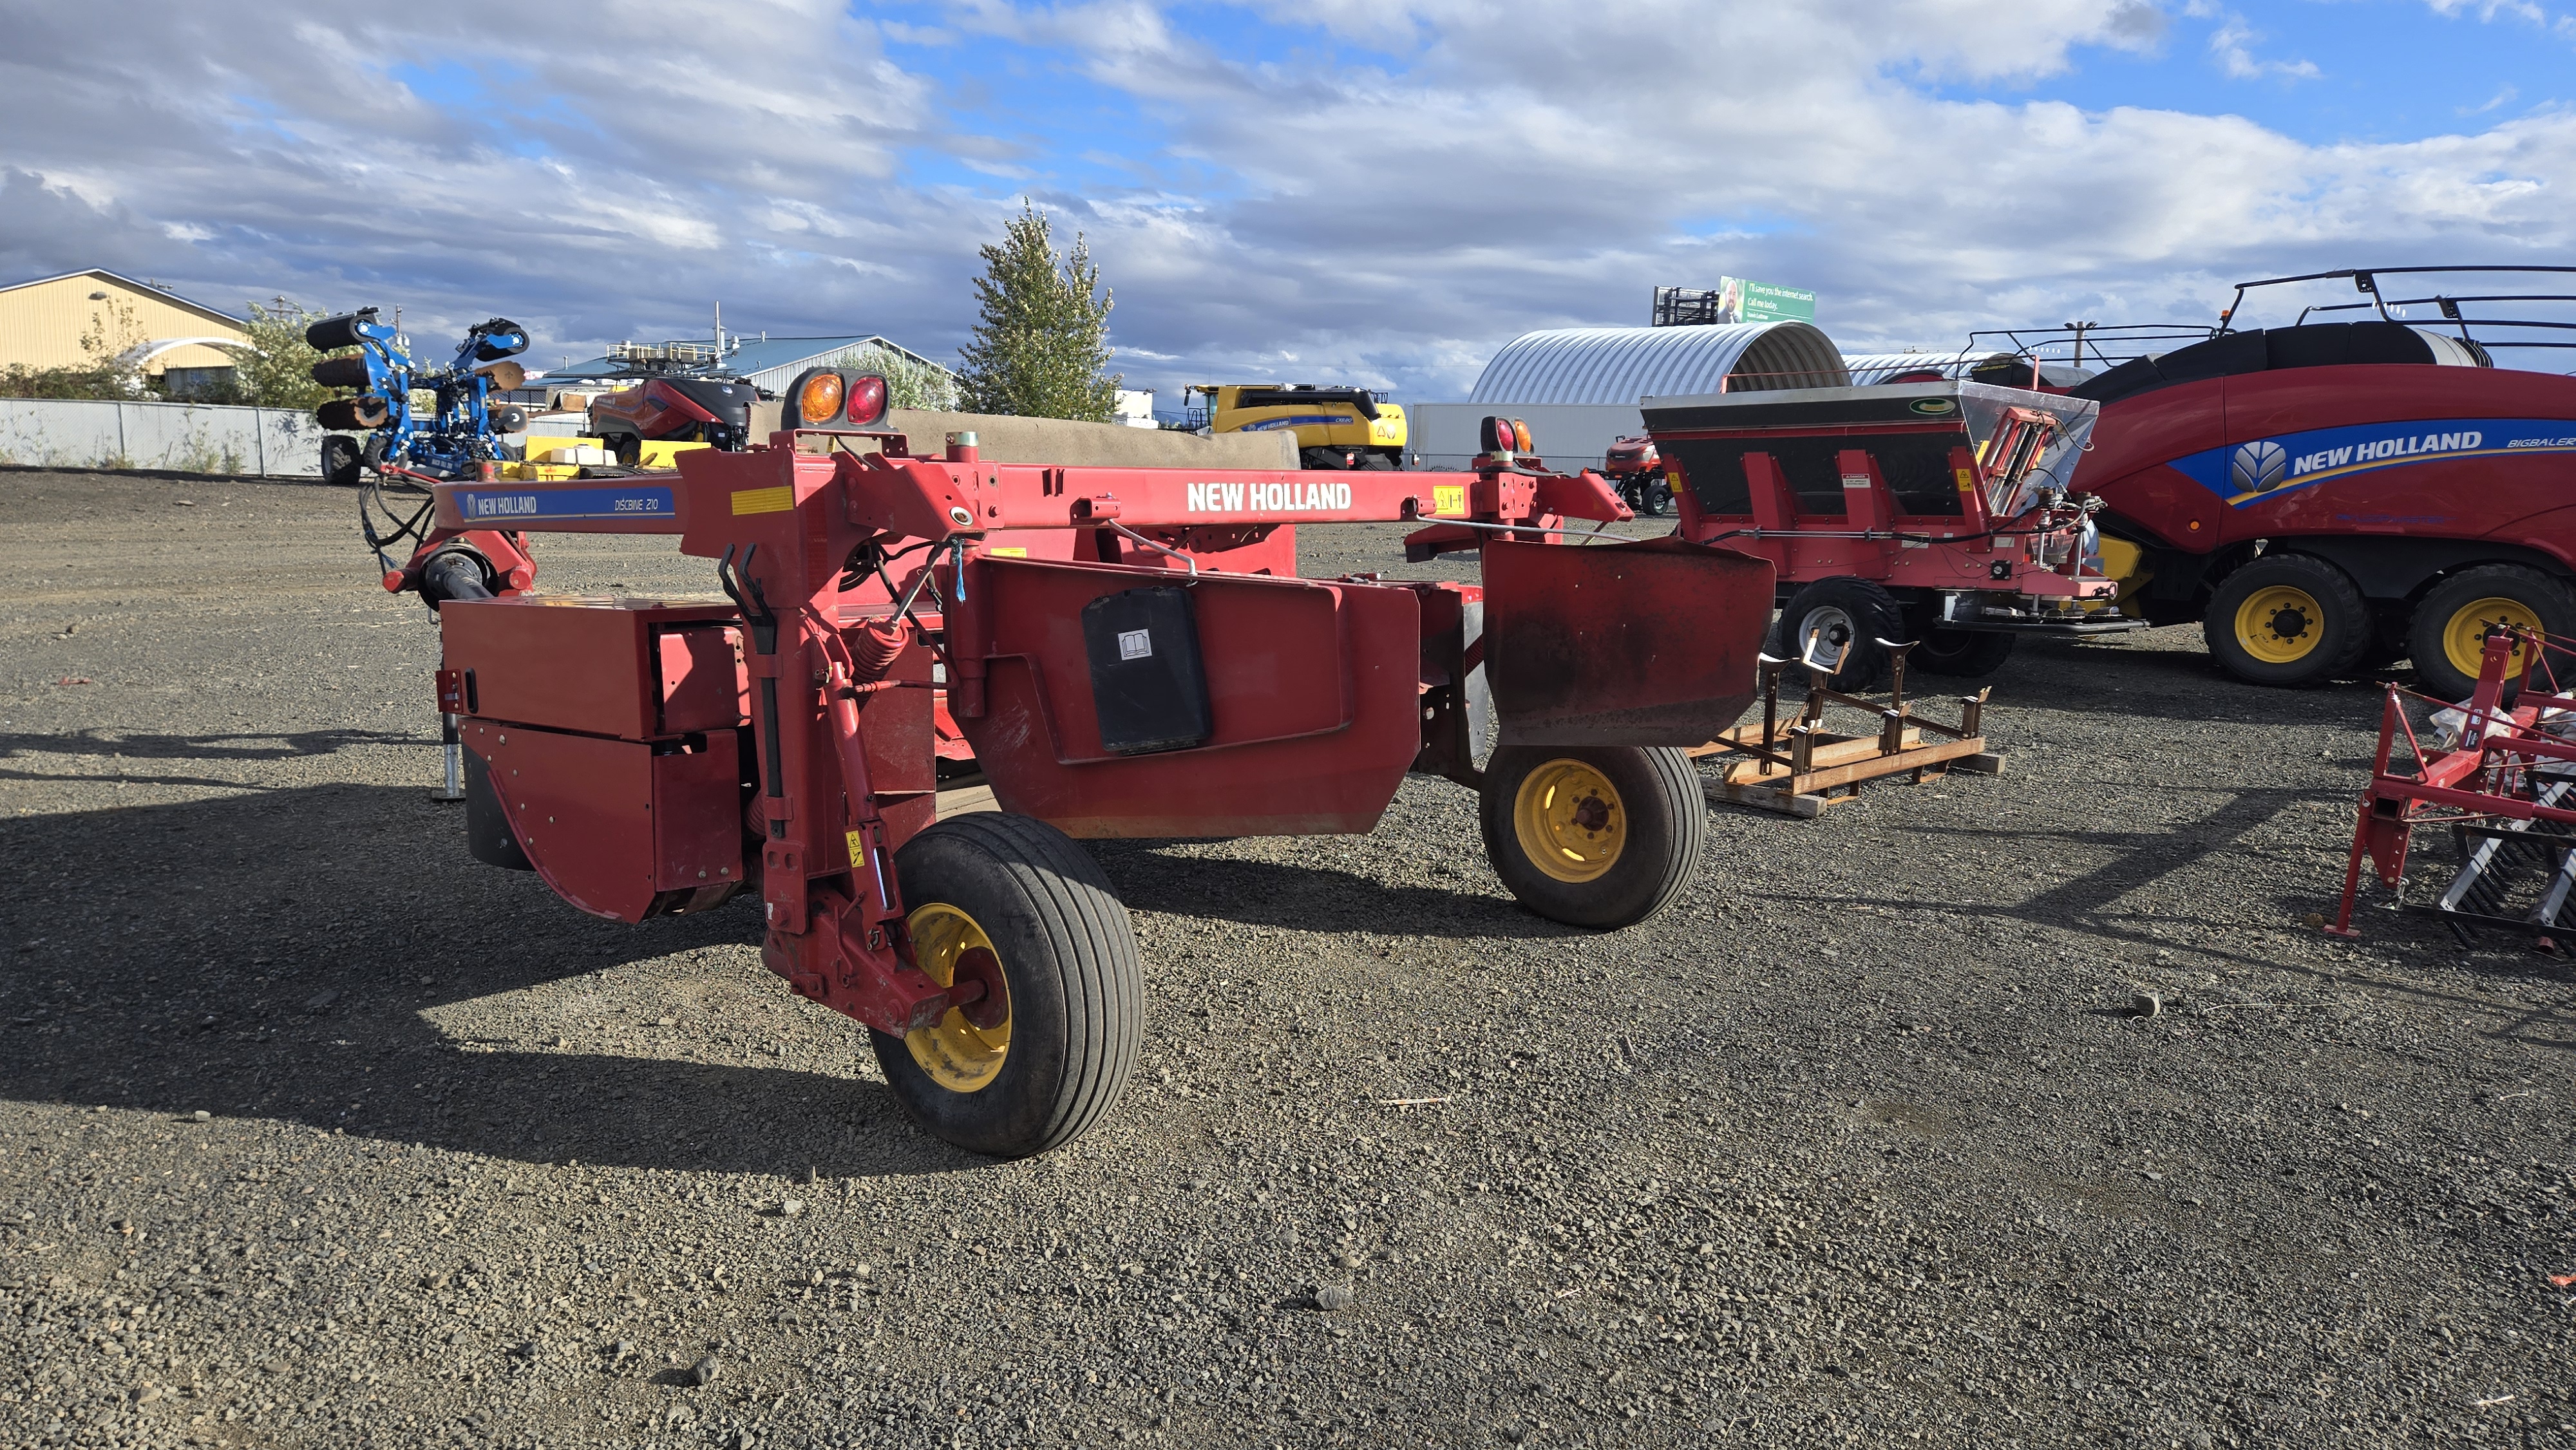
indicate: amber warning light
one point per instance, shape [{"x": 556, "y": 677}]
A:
[{"x": 829, "y": 401}]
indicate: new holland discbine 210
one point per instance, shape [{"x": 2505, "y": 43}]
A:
[{"x": 1127, "y": 653}]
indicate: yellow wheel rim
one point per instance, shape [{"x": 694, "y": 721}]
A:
[
  {"x": 2464, "y": 638},
  {"x": 1570, "y": 820},
  {"x": 964, "y": 1051},
  {"x": 2280, "y": 624}
]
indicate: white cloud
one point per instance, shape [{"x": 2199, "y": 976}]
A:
[{"x": 1456, "y": 173}]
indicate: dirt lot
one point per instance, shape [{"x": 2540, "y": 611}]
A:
[{"x": 320, "y": 1134}]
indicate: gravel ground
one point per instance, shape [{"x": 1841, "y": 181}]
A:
[{"x": 320, "y": 1134}]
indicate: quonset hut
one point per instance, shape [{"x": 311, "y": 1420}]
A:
[{"x": 1577, "y": 387}]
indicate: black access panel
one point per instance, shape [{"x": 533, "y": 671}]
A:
[{"x": 1147, "y": 683}]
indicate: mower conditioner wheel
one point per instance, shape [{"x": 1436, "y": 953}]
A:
[
  {"x": 1595, "y": 835},
  {"x": 2447, "y": 637},
  {"x": 2287, "y": 619},
  {"x": 1048, "y": 1045}
]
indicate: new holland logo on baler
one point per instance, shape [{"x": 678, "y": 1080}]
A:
[{"x": 2270, "y": 467}]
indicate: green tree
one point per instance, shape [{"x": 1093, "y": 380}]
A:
[
  {"x": 910, "y": 383},
  {"x": 1044, "y": 337},
  {"x": 278, "y": 372}
]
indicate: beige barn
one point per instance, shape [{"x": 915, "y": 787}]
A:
[{"x": 41, "y": 323}]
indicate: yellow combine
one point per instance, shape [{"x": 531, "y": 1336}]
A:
[{"x": 1335, "y": 427}]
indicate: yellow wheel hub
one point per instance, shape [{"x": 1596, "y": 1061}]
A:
[
  {"x": 1570, "y": 820},
  {"x": 964, "y": 1051},
  {"x": 2464, "y": 638},
  {"x": 2280, "y": 624}
]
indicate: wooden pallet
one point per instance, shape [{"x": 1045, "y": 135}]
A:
[{"x": 1835, "y": 763}]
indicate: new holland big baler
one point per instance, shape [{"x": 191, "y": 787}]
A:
[{"x": 1127, "y": 653}]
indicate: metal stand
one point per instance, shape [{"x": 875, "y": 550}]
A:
[
  {"x": 454, "y": 751},
  {"x": 1803, "y": 769}
]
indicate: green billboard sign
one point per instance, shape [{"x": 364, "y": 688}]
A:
[
  {"x": 1732, "y": 300},
  {"x": 1767, "y": 302}
]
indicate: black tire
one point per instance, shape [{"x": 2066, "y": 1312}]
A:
[
  {"x": 626, "y": 448},
  {"x": 341, "y": 372},
  {"x": 1067, "y": 953},
  {"x": 354, "y": 415},
  {"x": 1655, "y": 825},
  {"x": 1659, "y": 497},
  {"x": 1846, "y": 610},
  {"x": 341, "y": 460},
  {"x": 2464, "y": 602},
  {"x": 486, "y": 350},
  {"x": 2290, "y": 620},
  {"x": 333, "y": 333},
  {"x": 1966, "y": 654}
]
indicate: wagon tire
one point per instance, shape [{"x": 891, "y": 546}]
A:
[
  {"x": 2290, "y": 620},
  {"x": 1596, "y": 836},
  {"x": 1047, "y": 1051},
  {"x": 1964, "y": 654},
  {"x": 2446, "y": 635},
  {"x": 1845, "y": 609}
]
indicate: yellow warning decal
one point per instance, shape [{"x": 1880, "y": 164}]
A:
[
  {"x": 1448, "y": 498},
  {"x": 858, "y": 842},
  {"x": 1967, "y": 480},
  {"x": 1007, "y": 553},
  {"x": 764, "y": 500}
]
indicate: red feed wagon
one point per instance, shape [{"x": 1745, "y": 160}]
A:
[
  {"x": 1126, "y": 651},
  {"x": 1936, "y": 512}
]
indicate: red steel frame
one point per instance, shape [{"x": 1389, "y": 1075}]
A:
[
  {"x": 1873, "y": 538},
  {"x": 2488, "y": 776},
  {"x": 859, "y": 577}
]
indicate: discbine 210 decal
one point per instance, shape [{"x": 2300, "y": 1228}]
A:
[{"x": 2248, "y": 473}]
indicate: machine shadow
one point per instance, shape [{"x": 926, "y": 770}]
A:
[
  {"x": 236, "y": 745},
  {"x": 1306, "y": 898},
  {"x": 2171, "y": 685},
  {"x": 278, "y": 955}
]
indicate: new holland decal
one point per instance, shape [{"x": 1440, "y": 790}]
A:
[
  {"x": 1278, "y": 498},
  {"x": 509, "y": 505},
  {"x": 2248, "y": 473}
]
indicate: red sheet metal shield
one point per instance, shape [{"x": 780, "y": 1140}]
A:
[
  {"x": 1312, "y": 688},
  {"x": 1647, "y": 643}
]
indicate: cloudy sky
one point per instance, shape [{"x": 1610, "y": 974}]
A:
[{"x": 1371, "y": 191}]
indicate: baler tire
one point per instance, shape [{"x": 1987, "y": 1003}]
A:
[
  {"x": 1963, "y": 654},
  {"x": 2487, "y": 593},
  {"x": 1659, "y": 811},
  {"x": 626, "y": 448},
  {"x": 1872, "y": 613},
  {"x": 1067, "y": 953},
  {"x": 2278, "y": 586}
]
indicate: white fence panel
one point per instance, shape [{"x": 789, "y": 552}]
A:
[
  {"x": 1567, "y": 435},
  {"x": 41, "y": 433},
  {"x": 172, "y": 437}
]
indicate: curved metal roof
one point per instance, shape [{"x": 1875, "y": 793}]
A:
[
  {"x": 1870, "y": 369},
  {"x": 1623, "y": 364}
]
